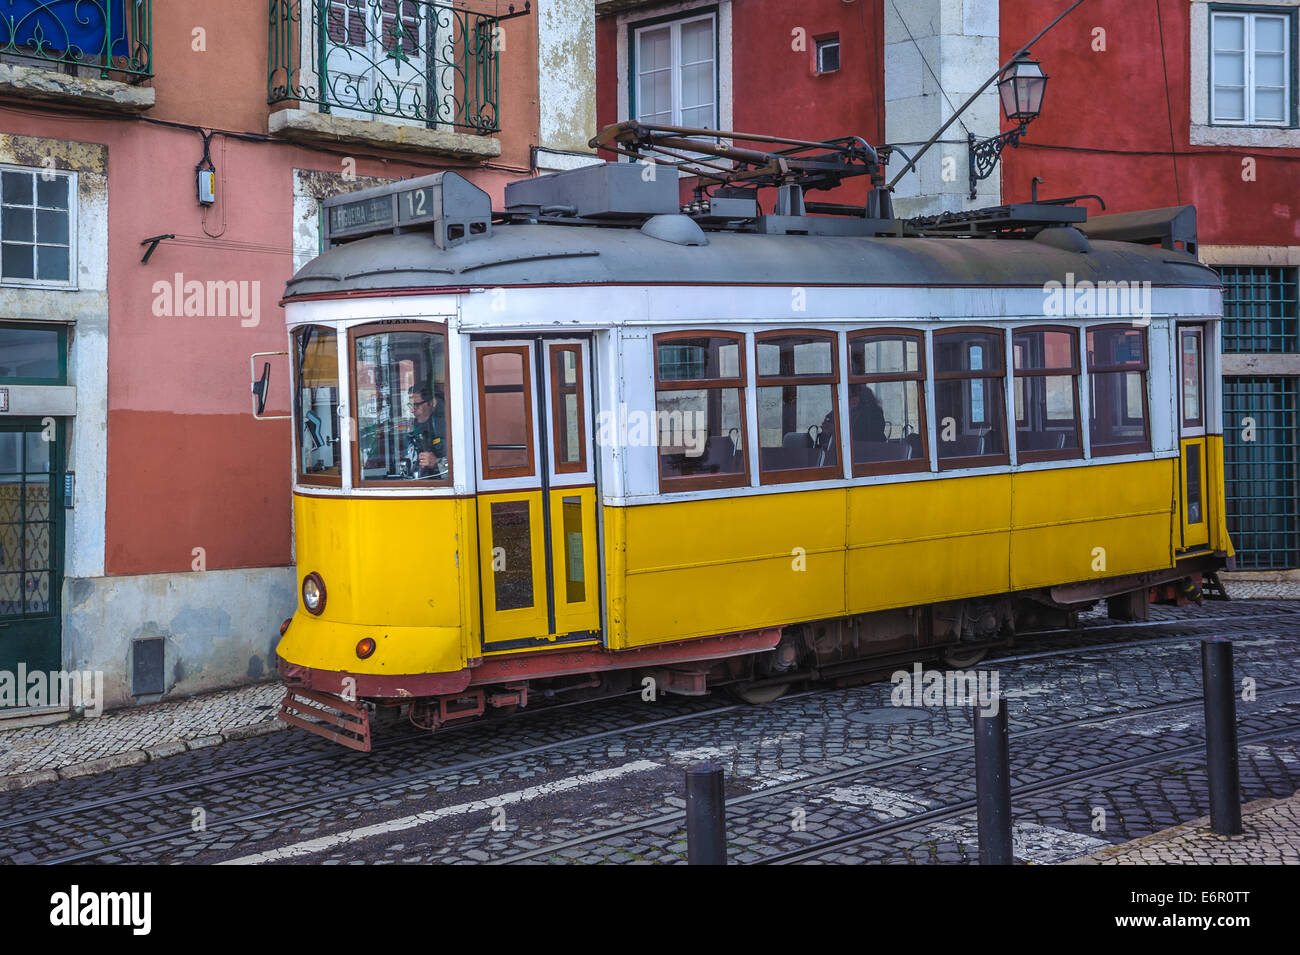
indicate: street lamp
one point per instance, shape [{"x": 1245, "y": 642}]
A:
[{"x": 1021, "y": 88}]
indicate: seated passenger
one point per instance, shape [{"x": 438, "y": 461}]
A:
[
  {"x": 426, "y": 454},
  {"x": 866, "y": 417}
]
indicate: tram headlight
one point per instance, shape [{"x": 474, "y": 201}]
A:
[{"x": 313, "y": 593}]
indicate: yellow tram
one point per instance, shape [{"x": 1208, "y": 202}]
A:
[{"x": 598, "y": 437}]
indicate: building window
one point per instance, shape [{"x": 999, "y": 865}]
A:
[
  {"x": 798, "y": 403},
  {"x": 1251, "y": 68},
  {"x": 1117, "y": 374},
  {"x": 33, "y": 354},
  {"x": 675, "y": 73},
  {"x": 37, "y": 226},
  {"x": 1260, "y": 310},
  {"x": 887, "y": 402},
  {"x": 969, "y": 398},
  {"x": 828, "y": 54},
  {"x": 1046, "y": 368},
  {"x": 700, "y": 410}
]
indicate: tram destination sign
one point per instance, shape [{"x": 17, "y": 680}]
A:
[
  {"x": 373, "y": 214},
  {"x": 410, "y": 204}
]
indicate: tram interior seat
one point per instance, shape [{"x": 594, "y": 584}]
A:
[
  {"x": 1040, "y": 440},
  {"x": 963, "y": 446},
  {"x": 873, "y": 452},
  {"x": 719, "y": 455}
]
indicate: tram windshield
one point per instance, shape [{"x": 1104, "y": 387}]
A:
[{"x": 401, "y": 400}]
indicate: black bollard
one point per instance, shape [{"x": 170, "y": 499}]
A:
[
  {"x": 993, "y": 785},
  {"x": 1221, "y": 736},
  {"x": 706, "y": 822}
]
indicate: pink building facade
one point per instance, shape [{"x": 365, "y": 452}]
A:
[{"x": 161, "y": 173}]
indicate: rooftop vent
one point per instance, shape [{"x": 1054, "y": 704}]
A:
[
  {"x": 446, "y": 203},
  {"x": 612, "y": 190}
]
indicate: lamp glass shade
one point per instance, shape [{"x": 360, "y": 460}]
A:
[{"x": 1021, "y": 88}]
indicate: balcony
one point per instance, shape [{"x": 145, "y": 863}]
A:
[
  {"x": 89, "y": 52},
  {"x": 405, "y": 74}
]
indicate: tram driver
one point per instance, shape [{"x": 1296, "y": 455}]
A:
[{"x": 426, "y": 448}]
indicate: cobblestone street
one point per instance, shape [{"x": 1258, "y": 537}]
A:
[{"x": 1106, "y": 747}]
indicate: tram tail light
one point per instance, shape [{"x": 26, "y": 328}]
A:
[
  {"x": 365, "y": 647},
  {"x": 285, "y": 626}
]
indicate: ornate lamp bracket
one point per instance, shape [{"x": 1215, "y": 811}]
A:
[{"x": 984, "y": 153}]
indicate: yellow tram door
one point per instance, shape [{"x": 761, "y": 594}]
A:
[
  {"x": 536, "y": 505},
  {"x": 1192, "y": 421}
]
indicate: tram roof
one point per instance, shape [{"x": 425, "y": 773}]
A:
[{"x": 542, "y": 254}]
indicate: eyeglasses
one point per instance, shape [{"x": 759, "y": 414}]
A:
[{"x": 416, "y": 404}]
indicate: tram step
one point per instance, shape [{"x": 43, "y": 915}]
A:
[{"x": 336, "y": 719}]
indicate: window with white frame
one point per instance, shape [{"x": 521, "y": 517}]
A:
[
  {"x": 676, "y": 72},
  {"x": 37, "y": 226},
  {"x": 828, "y": 54},
  {"x": 1251, "y": 66}
]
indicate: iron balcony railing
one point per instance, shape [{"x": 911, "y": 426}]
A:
[
  {"x": 410, "y": 60},
  {"x": 111, "y": 36}
]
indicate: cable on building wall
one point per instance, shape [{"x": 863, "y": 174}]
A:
[{"x": 1169, "y": 106}]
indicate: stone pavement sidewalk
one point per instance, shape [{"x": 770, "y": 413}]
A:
[
  {"x": 1261, "y": 585},
  {"x": 40, "y": 754},
  {"x": 1270, "y": 836}
]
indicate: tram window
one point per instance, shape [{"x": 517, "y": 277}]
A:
[
  {"x": 700, "y": 410},
  {"x": 512, "y": 538},
  {"x": 400, "y": 377},
  {"x": 1189, "y": 350},
  {"x": 1046, "y": 389},
  {"x": 969, "y": 398},
  {"x": 1117, "y": 373},
  {"x": 316, "y": 405},
  {"x": 798, "y": 414},
  {"x": 506, "y": 411},
  {"x": 568, "y": 420},
  {"x": 887, "y": 403}
]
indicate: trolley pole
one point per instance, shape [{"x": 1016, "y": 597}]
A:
[
  {"x": 993, "y": 785},
  {"x": 1221, "y": 736},
  {"x": 706, "y": 823}
]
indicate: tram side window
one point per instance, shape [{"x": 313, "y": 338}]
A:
[
  {"x": 1046, "y": 388},
  {"x": 798, "y": 413},
  {"x": 400, "y": 378},
  {"x": 1117, "y": 375},
  {"x": 969, "y": 398},
  {"x": 887, "y": 403},
  {"x": 316, "y": 405},
  {"x": 700, "y": 410}
]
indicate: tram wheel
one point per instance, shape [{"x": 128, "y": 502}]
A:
[
  {"x": 758, "y": 695},
  {"x": 959, "y": 658}
]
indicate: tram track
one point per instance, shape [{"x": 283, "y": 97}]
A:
[
  {"x": 847, "y": 773},
  {"x": 378, "y": 785},
  {"x": 276, "y": 766},
  {"x": 957, "y": 810},
  {"x": 334, "y": 753}
]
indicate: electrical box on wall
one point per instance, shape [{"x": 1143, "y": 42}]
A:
[{"x": 207, "y": 187}]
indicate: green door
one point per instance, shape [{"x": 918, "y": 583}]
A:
[{"x": 31, "y": 544}]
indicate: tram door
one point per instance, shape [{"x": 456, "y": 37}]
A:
[
  {"x": 1192, "y": 420},
  {"x": 538, "y": 553}
]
